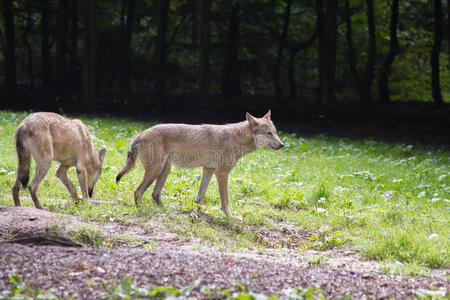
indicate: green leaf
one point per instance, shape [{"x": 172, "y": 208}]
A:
[
  {"x": 241, "y": 286},
  {"x": 120, "y": 143},
  {"x": 125, "y": 285}
]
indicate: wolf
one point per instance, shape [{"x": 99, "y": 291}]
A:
[
  {"x": 215, "y": 148},
  {"x": 48, "y": 136}
]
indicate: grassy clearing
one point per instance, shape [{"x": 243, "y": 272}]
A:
[{"x": 389, "y": 200}]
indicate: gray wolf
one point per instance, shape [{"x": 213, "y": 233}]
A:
[
  {"x": 215, "y": 148},
  {"x": 47, "y": 137}
]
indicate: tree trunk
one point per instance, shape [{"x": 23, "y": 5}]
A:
[
  {"x": 435, "y": 80},
  {"x": 294, "y": 48},
  {"x": 291, "y": 74},
  {"x": 194, "y": 23},
  {"x": 46, "y": 79},
  {"x": 350, "y": 52},
  {"x": 28, "y": 46},
  {"x": 205, "y": 7},
  {"x": 327, "y": 17},
  {"x": 10, "y": 80},
  {"x": 61, "y": 46},
  {"x": 370, "y": 68},
  {"x": 448, "y": 34},
  {"x": 160, "y": 72},
  {"x": 74, "y": 63},
  {"x": 125, "y": 75},
  {"x": 321, "y": 87},
  {"x": 89, "y": 67},
  {"x": 383, "y": 82},
  {"x": 281, "y": 46},
  {"x": 231, "y": 85},
  {"x": 364, "y": 83},
  {"x": 331, "y": 13}
]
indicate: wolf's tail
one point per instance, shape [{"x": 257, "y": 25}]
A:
[
  {"x": 131, "y": 160},
  {"x": 23, "y": 158},
  {"x": 23, "y": 164}
]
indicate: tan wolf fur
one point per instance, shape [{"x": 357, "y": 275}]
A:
[
  {"x": 216, "y": 148},
  {"x": 47, "y": 137}
]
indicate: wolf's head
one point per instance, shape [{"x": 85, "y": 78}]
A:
[
  {"x": 264, "y": 132},
  {"x": 94, "y": 169}
]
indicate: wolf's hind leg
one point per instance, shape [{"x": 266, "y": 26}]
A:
[
  {"x": 207, "y": 173},
  {"x": 160, "y": 181},
  {"x": 151, "y": 172},
  {"x": 23, "y": 173},
  {"x": 42, "y": 167},
  {"x": 61, "y": 173}
]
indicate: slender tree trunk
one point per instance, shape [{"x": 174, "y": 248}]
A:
[
  {"x": 281, "y": 46},
  {"x": 350, "y": 51},
  {"x": 61, "y": 46},
  {"x": 438, "y": 33},
  {"x": 10, "y": 80},
  {"x": 46, "y": 79},
  {"x": 364, "y": 83},
  {"x": 370, "y": 68},
  {"x": 291, "y": 74},
  {"x": 74, "y": 63},
  {"x": 321, "y": 88},
  {"x": 327, "y": 18},
  {"x": 194, "y": 20},
  {"x": 205, "y": 8},
  {"x": 28, "y": 46},
  {"x": 231, "y": 85},
  {"x": 294, "y": 48},
  {"x": 331, "y": 14},
  {"x": 448, "y": 34},
  {"x": 89, "y": 67},
  {"x": 160, "y": 72},
  {"x": 125, "y": 75},
  {"x": 383, "y": 82}
]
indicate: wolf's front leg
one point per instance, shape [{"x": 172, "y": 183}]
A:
[
  {"x": 222, "y": 179},
  {"x": 61, "y": 173},
  {"x": 207, "y": 173},
  {"x": 82, "y": 179}
]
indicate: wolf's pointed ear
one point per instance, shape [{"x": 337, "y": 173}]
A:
[
  {"x": 101, "y": 154},
  {"x": 251, "y": 119},
  {"x": 267, "y": 116}
]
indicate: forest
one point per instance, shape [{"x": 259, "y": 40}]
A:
[{"x": 275, "y": 53}]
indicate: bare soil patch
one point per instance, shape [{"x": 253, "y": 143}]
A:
[{"x": 167, "y": 260}]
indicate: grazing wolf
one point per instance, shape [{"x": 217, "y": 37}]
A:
[
  {"x": 216, "y": 148},
  {"x": 47, "y": 137}
]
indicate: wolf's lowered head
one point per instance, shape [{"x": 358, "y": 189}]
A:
[{"x": 94, "y": 169}]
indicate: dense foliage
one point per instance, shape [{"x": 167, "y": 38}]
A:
[{"x": 324, "y": 50}]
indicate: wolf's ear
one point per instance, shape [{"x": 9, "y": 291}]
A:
[
  {"x": 251, "y": 119},
  {"x": 267, "y": 116},
  {"x": 101, "y": 154}
]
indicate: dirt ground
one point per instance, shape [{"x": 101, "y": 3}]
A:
[{"x": 162, "y": 258}]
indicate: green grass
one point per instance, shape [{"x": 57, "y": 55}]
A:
[{"x": 389, "y": 200}]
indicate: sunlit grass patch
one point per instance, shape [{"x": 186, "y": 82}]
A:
[
  {"x": 88, "y": 235},
  {"x": 408, "y": 245}
]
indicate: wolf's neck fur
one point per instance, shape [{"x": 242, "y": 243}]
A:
[{"x": 245, "y": 137}]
